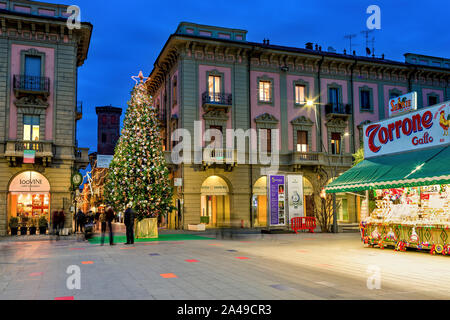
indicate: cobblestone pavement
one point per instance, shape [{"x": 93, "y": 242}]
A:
[{"x": 252, "y": 266}]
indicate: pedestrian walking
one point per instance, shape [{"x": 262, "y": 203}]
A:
[
  {"x": 97, "y": 219},
  {"x": 55, "y": 224},
  {"x": 80, "y": 221},
  {"x": 109, "y": 219},
  {"x": 129, "y": 223},
  {"x": 102, "y": 219},
  {"x": 61, "y": 220}
]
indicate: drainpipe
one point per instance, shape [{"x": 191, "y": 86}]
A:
[
  {"x": 319, "y": 87},
  {"x": 250, "y": 140},
  {"x": 352, "y": 93}
]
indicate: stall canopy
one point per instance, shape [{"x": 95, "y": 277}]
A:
[{"x": 416, "y": 168}]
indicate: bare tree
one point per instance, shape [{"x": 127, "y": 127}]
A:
[{"x": 323, "y": 202}]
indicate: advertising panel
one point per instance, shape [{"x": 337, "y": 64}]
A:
[{"x": 425, "y": 128}]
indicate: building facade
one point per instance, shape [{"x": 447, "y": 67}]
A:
[
  {"x": 39, "y": 154},
  {"x": 108, "y": 133},
  {"x": 317, "y": 100}
]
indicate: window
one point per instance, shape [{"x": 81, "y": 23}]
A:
[
  {"x": 302, "y": 141},
  {"x": 31, "y": 128},
  {"x": 103, "y": 137},
  {"x": 335, "y": 143},
  {"x": 32, "y": 66},
  {"x": 104, "y": 119},
  {"x": 214, "y": 88},
  {"x": 365, "y": 100},
  {"x": 394, "y": 95},
  {"x": 174, "y": 91},
  {"x": 432, "y": 100},
  {"x": 113, "y": 119},
  {"x": 299, "y": 94},
  {"x": 333, "y": 97},
  {"x": 268, "y": 142},
  {"x": 213, "y": 138},
  {"x": 265, "y": 91}
]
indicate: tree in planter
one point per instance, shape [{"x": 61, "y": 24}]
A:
[
  {"x": 138, "y": 172},
  {"x": 322, "y": 202},
  {"x": 43, "y": 224},
  {"x": 14, "y": 225}
]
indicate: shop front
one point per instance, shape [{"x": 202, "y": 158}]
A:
[
  {"x": 215, "y": 202},
  {"x": 28, "y": 200},
  {"x": 405, "y": 177}
]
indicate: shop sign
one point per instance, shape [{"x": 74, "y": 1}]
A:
[
  {"x": 29, "y": 181},
  {"x": 413, "y": 131},
  {"x": 403, "y": 104},
  {"x": 295, "y": 196},
  {"x": 103, "y": 161},
  {"x": 276, "y": 193}
]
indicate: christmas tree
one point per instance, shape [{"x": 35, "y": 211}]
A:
[{"x": 138, "y": 172}]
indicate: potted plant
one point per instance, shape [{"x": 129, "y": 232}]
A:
[
  {"x": 204, "y": 219},
  {"x": 23, "y": 226},
  {"x": 32, "y": 225},
  {"x": 43, "y": 224},
  {"x": 14, "y": 225}
]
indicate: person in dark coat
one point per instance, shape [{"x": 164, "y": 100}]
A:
[
  {"x": 109, "y": 219},
  {"x": 61, "y": 220},
  {"x": 129, "y": 223},
  {"x": 55, "y": 224},
  {"x": 80, "y": 220}
]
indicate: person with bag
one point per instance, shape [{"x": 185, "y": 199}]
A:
[
  {"x": 102, "y": 220},
  {"x": 129, "y": 223},
  {"x": 110, "y": 215}
]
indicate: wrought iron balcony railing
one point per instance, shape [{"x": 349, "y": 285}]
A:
[
  {"x": 338, "y": 108},
  {"x": 31, "y": 84},
  {"x": 224, "y": 99}
]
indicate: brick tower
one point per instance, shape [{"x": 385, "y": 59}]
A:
[{"x": 108, "y": 129}]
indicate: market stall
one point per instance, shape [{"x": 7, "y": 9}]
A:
[{"x": 406, "y": 174}]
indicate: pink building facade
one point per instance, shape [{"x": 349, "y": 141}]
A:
[{"x": 317, "y": 101}]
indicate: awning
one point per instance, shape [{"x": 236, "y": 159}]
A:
[{"x": 416, "y": 168}]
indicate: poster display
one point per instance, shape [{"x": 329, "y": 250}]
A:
[
  {"x": 277, "y": 213},
  {"x": 295, "y": 196}
]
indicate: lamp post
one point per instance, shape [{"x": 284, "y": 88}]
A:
[{"x": 311, "y": 103}]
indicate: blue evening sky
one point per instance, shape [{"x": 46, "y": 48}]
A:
[{"x": 128, "y": 36}]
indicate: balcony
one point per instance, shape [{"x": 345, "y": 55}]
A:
[
  {"x": 25, "y": 85},
  {"x": 82, "y": 157},
  {"x": 300, "y": 159},
  {"x": 14, "y": 150},
  {"x": 211, "y": 101},
  {"x": 79, "y": 110},
  {"x": 338, "y": 110}
]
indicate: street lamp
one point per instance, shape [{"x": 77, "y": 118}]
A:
[{"x": 311, "y": 103}]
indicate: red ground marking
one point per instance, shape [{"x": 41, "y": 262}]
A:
[
  {"x": 325, "y": 265},
  {"x": 191, "y": 260},
  {"x": 87, "y": 262},
  {"x": 168, "y": 275},
  {"x": 36, "y": 274},
  {"x": 242, "y": 258},
  {"x": 303, "y": 251},
  {"x": 76, "y": 249},
  {"x": 64, "y": 298}
]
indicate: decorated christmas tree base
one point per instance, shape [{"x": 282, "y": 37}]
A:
[{"x": 146, "y": 228}]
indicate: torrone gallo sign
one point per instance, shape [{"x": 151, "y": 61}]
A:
[{"x": 416, "y": 130}]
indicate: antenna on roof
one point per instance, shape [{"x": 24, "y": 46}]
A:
[
  {"x": 350, "y": 37},
  {"x": 366, "y": 33}
]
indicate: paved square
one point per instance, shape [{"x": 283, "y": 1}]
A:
[{"x": 280, "y": 266}]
